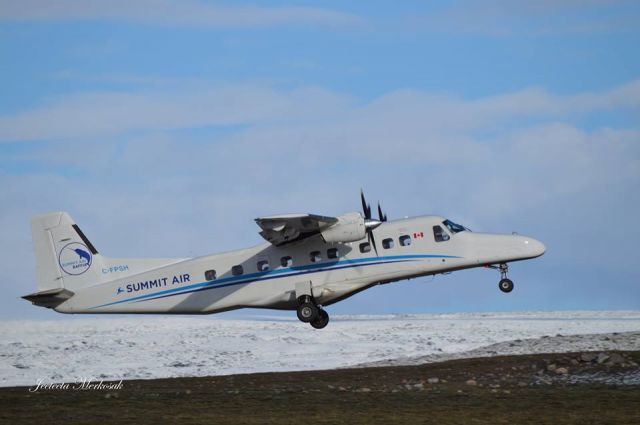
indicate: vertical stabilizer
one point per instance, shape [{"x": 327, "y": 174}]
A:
[{"x": 65, "y": 258}]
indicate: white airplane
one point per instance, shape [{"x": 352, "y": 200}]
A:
[{"x": 308, "y": 262}]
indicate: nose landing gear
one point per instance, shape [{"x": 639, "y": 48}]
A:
[
  {"x": 505, "y": 284},
  {"x": 309, "y": 312}
]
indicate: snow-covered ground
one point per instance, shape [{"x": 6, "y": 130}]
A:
[{"x": 155, "y": 347}]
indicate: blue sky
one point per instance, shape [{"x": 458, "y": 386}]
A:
[{"x": 165, "y": 127}]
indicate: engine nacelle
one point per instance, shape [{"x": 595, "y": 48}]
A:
[{"x": 349, "y": 228}]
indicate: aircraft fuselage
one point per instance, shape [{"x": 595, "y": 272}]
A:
[{"x": 268, "y": 276}]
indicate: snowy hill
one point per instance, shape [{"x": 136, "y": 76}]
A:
[{"x": 154, "y": 347}]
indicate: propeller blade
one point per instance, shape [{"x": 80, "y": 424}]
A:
[
  {"x": 380, "y": 214},
  {"x": 372, "y": 240},
  {"x": 366, "y": 209}
]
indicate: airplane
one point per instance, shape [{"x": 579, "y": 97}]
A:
[{"x": 308, "y": 262}]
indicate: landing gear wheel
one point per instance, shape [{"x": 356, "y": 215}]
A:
[
  {"x": 322, "y": 320},
  {"x": 307, "y": 312},
  {"x": 505, "y": 285}
]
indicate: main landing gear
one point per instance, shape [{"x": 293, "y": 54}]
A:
[
  {"x": 505, "y": 284},
  {"x": 309, "y": 312}
]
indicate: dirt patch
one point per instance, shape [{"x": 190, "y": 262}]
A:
[{"x": 569, "y": 388}]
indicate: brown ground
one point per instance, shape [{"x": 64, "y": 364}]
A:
[{"x": 528, "y": 389}]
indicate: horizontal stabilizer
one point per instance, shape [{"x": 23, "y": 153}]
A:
[{"x": 50, "y": 298}]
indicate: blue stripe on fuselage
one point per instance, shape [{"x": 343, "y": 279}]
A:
[
  {"x": 273, "y": 274},
  {"x": 216, "y": 286}
]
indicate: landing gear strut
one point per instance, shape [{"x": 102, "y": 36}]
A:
[
  {"x": 309, "y": 312},
  {"x": 505, "y": 284}
]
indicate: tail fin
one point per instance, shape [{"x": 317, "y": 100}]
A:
[
  {"x": 67, "y": 261},
  {"x": 65, "y": 258}
]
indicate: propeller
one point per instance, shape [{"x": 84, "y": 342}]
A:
[{"x": 371, "y": 223}]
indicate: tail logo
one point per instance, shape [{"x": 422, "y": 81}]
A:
[{"x": 74, "y": 258}]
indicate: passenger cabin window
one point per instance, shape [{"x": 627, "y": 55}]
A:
[
  {"x": 387, "y": 243},
  {"x": 286, "y": 261},
  {"x": 315, "y": 257},
  {"x": 263, "y": 265},
  {"x": 210, "y": 275},
  {"x": 439, "y": 234},
  {"x": 332, "y": 253},
  {"x": 405, "y": 240},
  {"x": 237, "y": 270},
  {"x": 365, "y": 247}
]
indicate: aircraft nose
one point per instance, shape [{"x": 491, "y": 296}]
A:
[{"x": 535, "y": 247}]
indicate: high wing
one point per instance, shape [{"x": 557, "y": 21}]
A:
[{"x": 281, "y": 229}]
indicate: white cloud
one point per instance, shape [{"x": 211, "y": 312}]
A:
[
  {"x": 174, "y": 13},
  {"x": 496, "y": 156},
  {"x": 408, "y": 116},
  {"x": 533, "y": 17},
  {"x": 91, "y": 115}
]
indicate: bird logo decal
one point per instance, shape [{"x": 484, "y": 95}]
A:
[
  {"x": 75, "y": 258},
  {"x": 83, "y": 254}
]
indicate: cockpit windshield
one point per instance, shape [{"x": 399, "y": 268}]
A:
[{"x": 453, "y": 227}]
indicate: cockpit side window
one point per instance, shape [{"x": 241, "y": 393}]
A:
[
  {"x": 439, "y": 234},
  {"x": 454, "y": 227}
]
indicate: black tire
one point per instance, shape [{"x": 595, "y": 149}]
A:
[
  {"x": 307, "y": 312},
  {"x": 505, "y": 285},
  {"x": 322, "y": 320}
]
